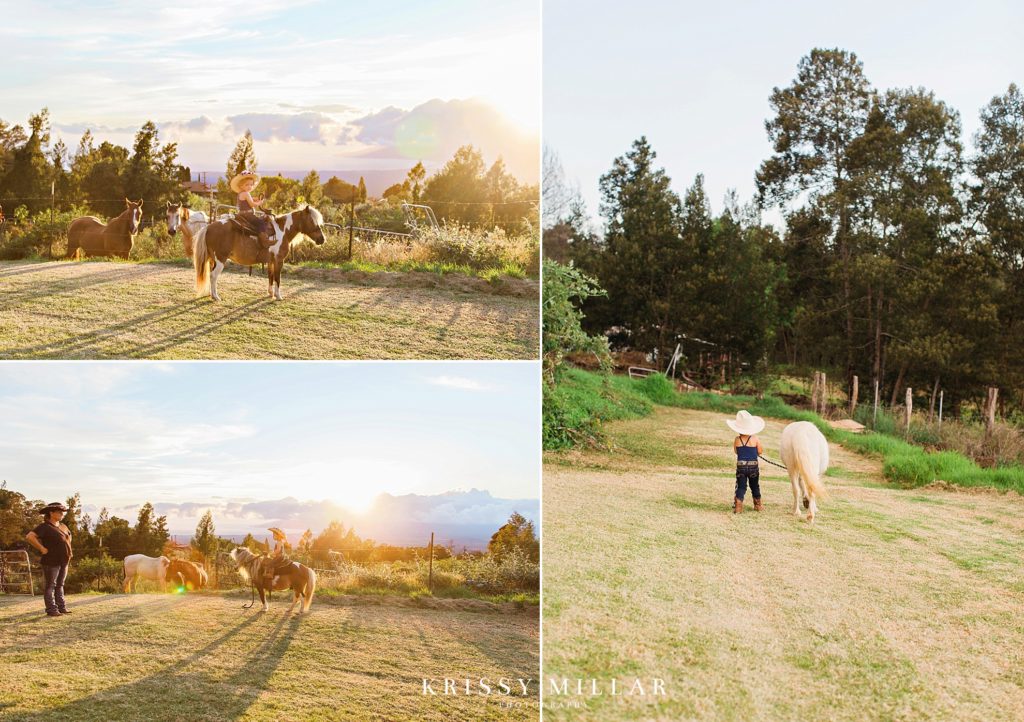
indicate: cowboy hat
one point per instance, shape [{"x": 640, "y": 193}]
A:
[
  {"x": 236, "y": 182},
  {"x": 746, "y": 424},
  {"x": 278, "y": 534},
  {"x": 54, "y": 506}
]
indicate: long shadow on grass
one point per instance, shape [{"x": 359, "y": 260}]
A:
[
  {"x": 184, "y": 690},
  {"x": 65, "y": 286},
  {"x": 19, "y": 270},
  {"x": 90, "y": 341},
  {"x": 39, "y": 608}
]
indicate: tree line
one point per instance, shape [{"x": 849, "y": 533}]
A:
[
  {"x": 900, "y": 257},
  {"x": 98, "y": 176},
  {"x": 115, "y": 538}
]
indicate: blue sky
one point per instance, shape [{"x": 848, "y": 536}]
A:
[
  {"x": 696, "y": 77},
  {"x": 191, "y": 435},
  {"x": 303, "y": 74}
]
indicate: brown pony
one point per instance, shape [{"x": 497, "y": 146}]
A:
[
  {"x": 258, "y": 568},
  {"x": 89, "y": 236},
  {"x": 229, "y": 238},
  {"x": 191, "y": 575}
]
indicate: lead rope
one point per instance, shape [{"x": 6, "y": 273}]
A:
[{"x": 781, "y": 466}]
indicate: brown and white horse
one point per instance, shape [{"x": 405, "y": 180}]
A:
[
  {"x": 88, "y": 235},
  {"x": 181, "y": 217},
  {"x": 230, "y": 239},
  {"x": 297, "y": 577},
  {"x": 307, "y": 223}
]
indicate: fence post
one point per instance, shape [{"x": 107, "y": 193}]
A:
[
  {"x": 351, "y": 224},
  {"x": 874, "y": 414},
  {"x": 940, "y": 408},
  {"x": 430, "y": 574},
  {"x": 990, "y": 410},
  {"x": 910, "y": 406},
  {"x": 853, "y": 396}
]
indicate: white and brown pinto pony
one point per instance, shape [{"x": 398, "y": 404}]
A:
[
  {"x": 297, "y": 577},
  {"x": 307, "y": 223},
  {"x": 139, "y": 565},
  {"x": 242, "y": 239},
  {"x": 88, "y": 235},
  {"x": 181, "y": 217},
  {"x": 804, "y": 452}
]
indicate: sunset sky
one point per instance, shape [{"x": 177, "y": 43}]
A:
[
  {"x": 696, "y": 77},
  {"x": 325, "y": 85},
  {"x": 262, "y": 442}
]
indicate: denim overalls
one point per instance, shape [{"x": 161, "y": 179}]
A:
[{"x": 747, "y": 471}]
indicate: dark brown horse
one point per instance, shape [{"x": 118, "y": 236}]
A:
[
  {"x": 90, "y": 236},
  {"x": 230, "y": 238},
  {"x": 261, "y": 568}
]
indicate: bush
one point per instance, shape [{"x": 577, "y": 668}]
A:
[{"x": 94, "y": 574}]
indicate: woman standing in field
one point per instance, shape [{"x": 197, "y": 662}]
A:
[
  {"x": 748, "y": 448},
  {"x": 53, "y": 540}
]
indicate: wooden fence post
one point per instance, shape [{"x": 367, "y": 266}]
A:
[
  {"x": 990, "y": 409},
  {"x": 940, "y": 407},
  {"x": 853, "y": 396},
  {"x": 910, "y": 405},
  {"x": 874, "y": 414},
  {"x": 430, "y": 574}
]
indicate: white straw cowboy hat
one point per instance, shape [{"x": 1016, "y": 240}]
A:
[
  {"x": 236, "y": 182},
  {"x": 746, "y": 424}
]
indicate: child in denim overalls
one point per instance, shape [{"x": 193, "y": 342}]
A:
[{"x": 748, "y": 448}]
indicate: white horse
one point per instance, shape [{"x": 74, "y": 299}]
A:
[
  {"x": 139, "y": 565},
  {"x": 180, "y": 215},
  {"x": 805, "y": 455}
]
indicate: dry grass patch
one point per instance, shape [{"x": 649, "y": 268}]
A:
[
  {"x": 896, "y": 604},
  {"x": 202, "y": 657},
  {"x": 127, "y": 310}
]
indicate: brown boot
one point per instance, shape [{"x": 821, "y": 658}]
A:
[
  {"x": 757, "y": 505},
  {"x": 737, "y": 506}
]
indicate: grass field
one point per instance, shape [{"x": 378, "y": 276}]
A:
[
  {"x": 200, "y": 657},
  {"x": 128, "y": 310},
  {"x": 897, "y": 604}
]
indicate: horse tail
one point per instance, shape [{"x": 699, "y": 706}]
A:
[
  {"x": 201, "y": 262},
  {"x": 809, "y": 469},
  {"x": 310, "y": 587},
  {"x": 73, "y": 249}
]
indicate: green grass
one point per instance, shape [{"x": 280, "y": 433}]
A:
[
  {"x": 164, "y": 657},
  {"x": 581, "y": 401}
]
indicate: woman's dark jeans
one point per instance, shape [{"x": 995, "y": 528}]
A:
[
  {"x": 53, "y": 595},
  {"x": 748, "y": 476}
]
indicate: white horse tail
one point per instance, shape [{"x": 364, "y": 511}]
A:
[
  {"x": 310, "y": 587},
  {"x": 201, "y": 262},
  {"x": 809, "y": 466},
  {"x": 124, "y": 573}
]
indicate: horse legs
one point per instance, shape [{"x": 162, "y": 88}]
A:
[
  {"x": 263, "y": 598},
  {"x": 794, "y": 480},
  {"x": 218, "y": 266},
  {"x": 277, "y": 280},
  {"x": 270, "y": 276}
]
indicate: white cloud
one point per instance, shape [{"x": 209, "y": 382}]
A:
[{"x": 459, "y": 382}]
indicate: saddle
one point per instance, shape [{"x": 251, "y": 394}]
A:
[{"x": 246, "y": 222}]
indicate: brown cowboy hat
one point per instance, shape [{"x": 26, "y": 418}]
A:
[
  {"x": 236, "y": 182},
  {"x": 54, "y": 506}
]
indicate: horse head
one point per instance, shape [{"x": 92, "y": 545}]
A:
[
  {"x": 313, "y": 224},
  {"x": 175, "y": 216},
  {"x": 134, "y": 210}
]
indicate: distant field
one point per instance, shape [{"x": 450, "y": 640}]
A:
[
  {"x": 75, "y": 310},
  {"x": 897, "y": 604},
  {"x": 199, "y": 657}
]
